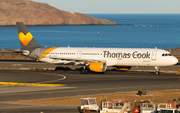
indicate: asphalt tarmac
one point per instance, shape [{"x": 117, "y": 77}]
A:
[
  {"x": 80, "y": 84},
  {"x": 75, "y": 84},
  {"x": 22, "y": 108}
]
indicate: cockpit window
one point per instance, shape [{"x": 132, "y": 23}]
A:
[{"x": 166, "y": 54}]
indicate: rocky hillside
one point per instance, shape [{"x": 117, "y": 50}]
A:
[{"x": 35, "y": 13}]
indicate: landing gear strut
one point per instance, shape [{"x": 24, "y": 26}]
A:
[
  {"x": 84, "y": 70},
  {"x": 157, "y": 70}
]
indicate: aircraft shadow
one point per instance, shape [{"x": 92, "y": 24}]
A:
[{"x": 17, "y": 60}]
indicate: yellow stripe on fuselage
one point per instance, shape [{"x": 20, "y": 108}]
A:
[{"x": 47, "y": 52}]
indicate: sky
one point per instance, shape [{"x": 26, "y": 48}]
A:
[{"x": 117, "y": 6}]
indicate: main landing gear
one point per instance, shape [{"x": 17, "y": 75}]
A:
[
  {"x": 84, "y": 70},
  {"x": 157, "y": 70}
]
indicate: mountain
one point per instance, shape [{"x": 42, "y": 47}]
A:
[{"x": 35, "y": 13}]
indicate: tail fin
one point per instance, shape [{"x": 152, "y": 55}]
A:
[{"x": 25, "y": 37}]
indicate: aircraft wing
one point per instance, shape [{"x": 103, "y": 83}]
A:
[{"x": 77, "y": 59}]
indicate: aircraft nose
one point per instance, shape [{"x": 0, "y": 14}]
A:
[{"x": 174, "y": 61}]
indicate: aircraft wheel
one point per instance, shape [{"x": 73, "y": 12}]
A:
[
  {"x": 157, "y": 72},
  {"x": 84, "y": 71}
]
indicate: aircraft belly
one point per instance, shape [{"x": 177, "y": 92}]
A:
[
  {"x": 134, "y": 62},
  {"x": 111, "y": 62},
  {"x": 54, "y": 60}
]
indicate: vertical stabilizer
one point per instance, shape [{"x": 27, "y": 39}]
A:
[{"x": 25, "y": 37}]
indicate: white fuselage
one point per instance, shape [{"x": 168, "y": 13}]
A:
[{"x": 113, "y": 56}]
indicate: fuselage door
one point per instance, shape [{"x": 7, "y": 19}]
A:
[
  {"x": 119, "y": 55},
  {"x": 79, "y": 54},
  {"x": 154, "y": 55}
]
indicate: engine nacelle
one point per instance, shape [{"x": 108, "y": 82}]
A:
[
  {"x": 98, "y": 66},
  {"x": 123, "y": 68},
  {"x": 25, "y": 52}
]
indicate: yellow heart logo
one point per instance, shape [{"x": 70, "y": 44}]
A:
[{"x": 25, "y": 39}]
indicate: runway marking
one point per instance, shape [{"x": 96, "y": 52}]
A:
[
  {"x": 30, "y": 84},
  {"x": 6, "y": 85},
  {"x": 10, "y": 84},
  {"x": 64, "y": 77},
  {"x": 22, "y": 107}
]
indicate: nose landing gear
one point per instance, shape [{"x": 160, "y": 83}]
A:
[{"x": 157, "y": 70}]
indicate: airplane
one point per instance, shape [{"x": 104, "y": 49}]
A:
[{"x": 93, "y": 59}]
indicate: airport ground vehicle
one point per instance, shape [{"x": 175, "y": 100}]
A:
[
  {"x": 138, "y": 105},
  {"x": 172, "y": 103},
  {"x": 148, "y": 108},
  {"x": 167, "y": 108},
  {"x": 89, "y": 104},
  {"x": 116, "y": 106}
]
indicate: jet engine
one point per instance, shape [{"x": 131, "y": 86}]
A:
[
  {"x": 123, "y": 68},
  {"x": 98, "y": 66},
  {"x": 24, "y": 52}
]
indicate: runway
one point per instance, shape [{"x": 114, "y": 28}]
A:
[
  {"x": 80, "y": 84},
  {"x": 21, "y": 108}
]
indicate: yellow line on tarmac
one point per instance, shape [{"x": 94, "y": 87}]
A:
[
  {"x": 31, "y": 84},
  {"x": 6, "y": 85}
]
